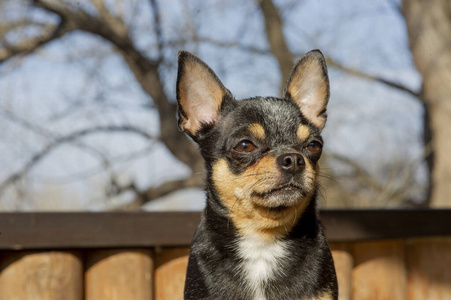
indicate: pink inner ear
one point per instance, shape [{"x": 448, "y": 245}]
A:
[
  {"x": 309, "y": 89},
  {"x": 201, "y": 106},
  {"x": 200, "y": 94},
  {"x": 313, "y": 95},
  {"x": 199, "y": 112}
]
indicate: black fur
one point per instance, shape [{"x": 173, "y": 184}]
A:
[
  {"x": 213, "y": 271},
  {"x": 211, "y": 274}
]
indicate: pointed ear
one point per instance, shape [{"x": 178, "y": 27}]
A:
[
  {"x": 199, "y": 93},
  {"x": 308, "y": 87}
]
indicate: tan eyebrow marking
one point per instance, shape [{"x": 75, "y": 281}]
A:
[
  {"x": 257, "y": 130},
  {"x": 303, "y": 132}
]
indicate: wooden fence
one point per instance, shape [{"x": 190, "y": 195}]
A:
[{"x": 383, "y": 254}]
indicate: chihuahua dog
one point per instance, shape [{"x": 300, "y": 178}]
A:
[{"x": 260, "y": 237}]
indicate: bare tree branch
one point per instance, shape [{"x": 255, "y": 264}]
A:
[
  {"x": 108, "y": 23},
  {"x": 392, "y": 188},
  {"x": 359, "y": 173},
  {"x": 22, "y": 23},
  {"x": 30, "y": 45},
  {"x": 145, "y": 70},
  {"x": 279, "y": 48},
  {"x": 113, "y": 29},
  {"x": 224, "y": 44},
  {"x": 35, "y": 159},
  {"x": 354, "y": 72},
  {"x": 156, "y": 192},
  {"x": 33, "y": 127},
  {"x": 330, "y": 61},
  {"x": 276, "y": 38},
  {"x": 158, "y": 29}
]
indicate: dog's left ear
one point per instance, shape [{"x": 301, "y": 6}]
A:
[
  {"x": 199, "y": 94},
  {"x": 308, "y": 87}
]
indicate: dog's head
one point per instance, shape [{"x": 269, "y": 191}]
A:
[{"x": 261, "y": 153}]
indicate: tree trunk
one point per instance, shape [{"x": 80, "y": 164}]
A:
[
  {"x": 429, "y": 30},
  {"x": 276, "y": 39}
]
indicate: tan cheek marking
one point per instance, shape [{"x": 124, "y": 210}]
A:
[
  {"x": 257, "y": 130},
  {"x": 225, "y": 182},
  {"x": 235, "y": 192},
  {"x": 311, "y": 175},
  {"x": 233, "y": 188},
  {"x": 261, "y": 175},
  {"x": 303, "y": 132}
]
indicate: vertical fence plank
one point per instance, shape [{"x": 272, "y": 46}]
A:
[
  {"x": 342, "y": 254},
  {"x": 41, "y": 275},
  {"x": 379, "y": 271},
  {"x": 429, "y": 267},
  {"x": 119, "y": 274},
  {"x": 170, "y": 273}
]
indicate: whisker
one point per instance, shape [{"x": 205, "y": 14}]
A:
[
  {"x": 247, "y": 189},
  {"x": 294, "y": 218},
  {"x": 255, "y": 174},
  {"x": 235, "y": 202},
  {"x": 255, "y": 183},
  {"x": 284, "y": 225},
  {"x": 329, "y": 177},
  {"x": 322, "y": 191}
]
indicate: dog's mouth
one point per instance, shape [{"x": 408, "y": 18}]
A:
[
  {"x": 283, "y": 190},
  {"x": 278, "y": 209},
  {"x": 282, "y": 197},
  {"x": 286, "y": 188}
]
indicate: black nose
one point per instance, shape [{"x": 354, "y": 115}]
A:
[{"x": 291, "y": 162}]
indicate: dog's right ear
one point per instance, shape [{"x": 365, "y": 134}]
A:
[
  {"x": 308, "y": 87},
  {"x": 199, "y": 94}
]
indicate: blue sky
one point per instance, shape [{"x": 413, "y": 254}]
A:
[{"x": 79, "y": 82}]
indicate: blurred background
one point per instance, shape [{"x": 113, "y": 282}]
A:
[{"x": 88, "y": 110}]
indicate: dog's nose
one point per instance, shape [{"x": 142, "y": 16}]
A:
[{"x": 291, "y": 162}]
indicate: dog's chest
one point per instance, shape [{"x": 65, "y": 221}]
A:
[{"x": 261, "y": 261}]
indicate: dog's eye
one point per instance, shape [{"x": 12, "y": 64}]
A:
[
  {"x": 245, "y": 146},
  {"x": 314, "y": 146}
]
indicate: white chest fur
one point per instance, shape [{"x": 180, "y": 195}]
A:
[{"x": 262, "y": 260}]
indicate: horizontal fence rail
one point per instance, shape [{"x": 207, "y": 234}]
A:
[
  {"x": 148, "y": 229},
  {"x": 378, "y": 254}
]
